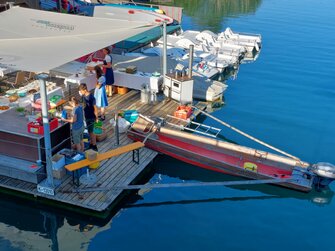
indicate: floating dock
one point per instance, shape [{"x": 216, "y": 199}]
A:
[{"x": 118, "y": 171}]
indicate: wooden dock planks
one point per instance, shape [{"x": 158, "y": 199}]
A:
[{"x": 117, "y": 171}]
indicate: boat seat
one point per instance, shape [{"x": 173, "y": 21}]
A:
[{"x": 73, "y": 167}]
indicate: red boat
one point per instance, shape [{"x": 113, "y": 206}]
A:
[{"x": 229, "y": 158}]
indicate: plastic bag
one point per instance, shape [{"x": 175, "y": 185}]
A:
[{"x": 123, "y": 124}]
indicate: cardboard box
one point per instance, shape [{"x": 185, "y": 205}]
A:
[
  {"x": 58, "y": 161},
  {"x": 58, "y": 173},
  {"x": 131, "y": 69}
]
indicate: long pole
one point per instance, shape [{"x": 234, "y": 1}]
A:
[
  {"x": 47, "y": 142},
  {"x": 164, "y": 50},
  {"x": 190, "y": 184},
  {"x": 190, "y": 62},
  {"x": 247, "y": 135},
  {"x": 117, "y": 136}
]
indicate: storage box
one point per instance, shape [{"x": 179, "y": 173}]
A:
[
  {"x": 38, "y": 128},
  {"x": 58, "y": 161},
  {"x": 183, "y": 112},
  {"x": 130, "y": 115},
  {"x": 59, "y": 173},
  {"x": 72, "y": 156},
  {"x": 131, "y": 69},
  {"x": 91, "y": 154}
]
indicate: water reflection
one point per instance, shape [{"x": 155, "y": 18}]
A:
[
  {"x": 210, "y": 13},
  {"x": 176, "y": 169},
  {"x": 30, "y": 226}
]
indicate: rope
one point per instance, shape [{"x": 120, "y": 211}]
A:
[{"x": 247, "y": 135}]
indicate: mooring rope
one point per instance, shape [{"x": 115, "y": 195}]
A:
[{"x": 247, "y": 135}]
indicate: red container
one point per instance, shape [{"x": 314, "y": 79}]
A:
[
  {"x": 183, "y": 112},
  {"x": 38, "y": 129}
]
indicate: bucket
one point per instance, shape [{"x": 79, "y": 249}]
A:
[
  {"x": 94, "y": 165},
  {"x": 122, "y": 90}
]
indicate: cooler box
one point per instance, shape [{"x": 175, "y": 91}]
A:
[{"x": 130, "y": 115}]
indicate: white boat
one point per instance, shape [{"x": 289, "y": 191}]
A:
[
  {"x": 257, "y": 38},
  {"x": 203, "y": 88},
  {"x": 200, "y": 65},
  {"x": 209, "y": 90},
  {"x": 250, "y": 42}
]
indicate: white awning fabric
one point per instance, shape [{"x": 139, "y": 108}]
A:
[{"x": 34, "y": 40}]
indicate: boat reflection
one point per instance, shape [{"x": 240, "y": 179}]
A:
[{"x": 173, "y": 168}]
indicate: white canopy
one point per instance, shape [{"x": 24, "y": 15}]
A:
[{"x": 34, "y": 40}]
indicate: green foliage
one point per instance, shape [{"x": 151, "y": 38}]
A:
[{"x": 208, "y": 12}]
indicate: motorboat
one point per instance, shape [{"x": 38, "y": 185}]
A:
[{"x": 224, "y": 157}]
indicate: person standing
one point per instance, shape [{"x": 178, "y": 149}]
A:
[
  {"x": 100, "y": 92},
  {"x": 91, "y": 113},
  {"x": 77, "y": 121},
  {"x": 109, "y": 74}
]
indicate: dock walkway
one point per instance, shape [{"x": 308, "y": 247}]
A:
[{"x": 117, "y": 171}]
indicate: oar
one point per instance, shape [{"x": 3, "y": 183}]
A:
[
  {"x": 170, "y": 185},
  {"x": 247, "y": 135}
]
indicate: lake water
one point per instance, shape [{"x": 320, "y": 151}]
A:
[{"x": 286, "y": 98}]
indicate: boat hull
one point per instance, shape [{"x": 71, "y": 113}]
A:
[{"x": 198, "y": 156}]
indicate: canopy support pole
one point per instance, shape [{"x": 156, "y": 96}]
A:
[
  {"x": 47, "y": 142},
  {"x": 164, "y": 50}
]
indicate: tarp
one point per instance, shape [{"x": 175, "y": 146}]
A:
[{"x": 34, "y": 40}]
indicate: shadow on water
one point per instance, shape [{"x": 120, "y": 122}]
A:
[
  {"x": 176, "y": 169},
  {"x": 210, "y": 13}
]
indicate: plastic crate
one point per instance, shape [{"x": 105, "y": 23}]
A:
[
  {"x": 72, "y": 156},
  {"x": 35, "y": 128},
  {"x": 183, "y": 112}
]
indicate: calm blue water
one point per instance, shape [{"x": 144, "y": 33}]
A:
[{"x": 286, "y": 98}]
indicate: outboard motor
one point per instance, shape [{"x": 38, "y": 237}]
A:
[{"x": 325, "y": 173}]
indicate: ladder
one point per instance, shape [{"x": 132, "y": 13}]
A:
[{"x": 192, "y": 126}]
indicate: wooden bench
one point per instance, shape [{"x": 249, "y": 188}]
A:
[{"x": 73, "y": 167}]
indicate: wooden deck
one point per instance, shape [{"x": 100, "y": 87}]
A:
[{"x": 117, "y": 171}]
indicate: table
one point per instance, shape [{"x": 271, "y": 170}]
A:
[
  {"x": 89, "y": 79},
  {"x": 132, "y": 81},
  {"x": 137, "y": 80}
]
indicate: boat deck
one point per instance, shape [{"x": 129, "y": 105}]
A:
[{"x": 117, "y": 171}]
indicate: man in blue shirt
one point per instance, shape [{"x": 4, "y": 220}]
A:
[
  {"x": 77, "y": 121},
  {"x": 91, "y": 113}
]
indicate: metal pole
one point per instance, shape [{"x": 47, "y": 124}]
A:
[
  {"x": 190, "y": 184},
  {"x": 117, "y": 128},
  {"x": 164, "y": 50},
  {"x": 247, "y": 135},
  {"x": 46, "y": 127},
  {"x": 190, "y": 62}
]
